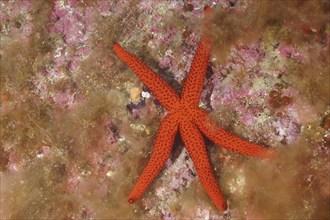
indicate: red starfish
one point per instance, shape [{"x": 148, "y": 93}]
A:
[{"x": 185, "y": 115}]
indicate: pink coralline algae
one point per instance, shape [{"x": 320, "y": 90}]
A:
[
  {"x": 44, "y": 151},
  {"x": 72, "y": 22},
  {"x": 248, "y": 56},
  {"x": 73, "y": 181},
  {"x": 12, "y": 163},
  {"x": 289, "y": 51},
  {"x": 249, "y": 98},
  {"x": 183, "y": 174},
  {"x": 16, "y": 19},
  {"x": 63, "y": 99},
  {"x": 74, "y": 25}
]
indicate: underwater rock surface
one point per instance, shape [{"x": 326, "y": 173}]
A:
[{"x": 78, "y": 127}]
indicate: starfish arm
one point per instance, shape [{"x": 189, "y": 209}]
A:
[
  {"x": 194, "y": 143},
  {"x": 163, "y": 145},
  {"x": 163, "y": 92},
  {"x": 228, "y": 140},
  {"x": 193, "y": 85}
]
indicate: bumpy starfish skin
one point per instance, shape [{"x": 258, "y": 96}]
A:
[{"x": 185, "y": 115}]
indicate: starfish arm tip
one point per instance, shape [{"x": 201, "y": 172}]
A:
[
  {"x": 207, "y": 9},
  {"x": 270, "y": 153},
  {"x": 116, "y": 46},
  {"x": 224, "y": 207}
]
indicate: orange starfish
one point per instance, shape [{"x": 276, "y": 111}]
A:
[{"x": 185, "y": 115}]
